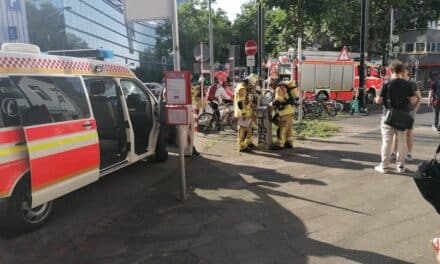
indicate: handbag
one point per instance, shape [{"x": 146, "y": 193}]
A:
[
  {"x": 398, "y": 119},
  {"x": 427, "y": 179}
]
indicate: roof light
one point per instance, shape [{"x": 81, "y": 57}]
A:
[{"x": 20, "y": 48}]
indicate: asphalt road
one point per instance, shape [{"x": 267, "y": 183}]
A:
[{"x": 319, "y": 203}]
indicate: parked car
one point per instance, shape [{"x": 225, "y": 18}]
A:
[{"x": 155, "y": 88}]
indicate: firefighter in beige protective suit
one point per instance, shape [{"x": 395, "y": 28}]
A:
[
  {"x": 244, "y": 106},
  {"x": 284, "y": 103}
]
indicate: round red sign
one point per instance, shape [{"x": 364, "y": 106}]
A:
[{"x": 250, "y": 48}]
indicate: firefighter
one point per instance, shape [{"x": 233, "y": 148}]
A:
[
  {"x": 285, "y": 101},
  {"x": 244, "y": 105}
]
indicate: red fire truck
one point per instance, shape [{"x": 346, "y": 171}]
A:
[
  {"x": 340, "y": 79},
  {"x": 376, "y": 75}
]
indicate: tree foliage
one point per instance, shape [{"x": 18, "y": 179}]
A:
[
  {"x": 331, "y": 24},
  {"x": 46, "y": 28},
  {"x": 193, "y": 29}
]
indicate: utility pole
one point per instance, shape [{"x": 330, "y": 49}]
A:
[
  {"x": 180, "y": 129},
  {"x": 390, "y": 51},
  {"x": 211, "y": 45},
  {"x": 261, "y": 38},
  {"x": 361, "y": 90},
  {"x": 300, "y": 32}
]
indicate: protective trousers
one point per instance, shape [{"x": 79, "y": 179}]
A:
[
  {"x": 286, "y": 133},
  {"x": 244, "y": 136}
]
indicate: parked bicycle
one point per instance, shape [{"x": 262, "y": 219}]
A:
[{"x": 208, "y": 122}]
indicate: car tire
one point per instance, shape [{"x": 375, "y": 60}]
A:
[
  {"x": 370, "y": 96},
  {"x": 20, "y": 216}
]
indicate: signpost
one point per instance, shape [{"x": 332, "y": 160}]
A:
[
  {"x": 144, "y": 10},
  {"x": 250, "y": 48}
]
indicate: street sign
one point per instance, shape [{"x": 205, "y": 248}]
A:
[
  {"x": 344, "y": 56},
  {"x": 197, "y": 52},
  {"x": 197, "y": 68},
  {"x": 250, "y": 47},
  {"x": 250, "y": 61},
  {"x": 178, "y": 87},
  {"x": 177, "y": 115},
  {"x": 144, "y": 10}
]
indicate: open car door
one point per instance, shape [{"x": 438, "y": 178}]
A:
[{"x": 60, "y": 135}]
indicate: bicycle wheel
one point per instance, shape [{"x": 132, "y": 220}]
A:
[
  {"x": 316, "y": 109},
  {"x": 331, "y": 109},
  {"x": 206, "y": 123},
  {"x": 233, "y": 123},
  {"x": 339, "y": 107}
]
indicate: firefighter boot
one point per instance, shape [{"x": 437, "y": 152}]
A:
[{"x": 241, "y": 139}]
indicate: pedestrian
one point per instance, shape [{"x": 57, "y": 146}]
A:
[
  {"x": 397, "y": 94},
  {"x": 413, "y": 110},
  {"x": 434, "y": 100}
]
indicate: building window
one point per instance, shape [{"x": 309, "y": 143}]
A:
[
  {"x": 409, "y": 47},
  {"x": 438, "y": 47},
  {"x": 14, "y": 5},
  {"x": 432, "y": 47},
  {"x": 420, "y": 46}
]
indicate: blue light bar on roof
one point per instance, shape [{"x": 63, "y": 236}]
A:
[{"x": 105, "y": 54}]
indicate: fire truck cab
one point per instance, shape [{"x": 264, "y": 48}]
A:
[
  {"x": 376, "y": 76},
  {"x": 64, "y": 123}
]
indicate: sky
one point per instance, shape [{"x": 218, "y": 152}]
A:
[{"x": 232, "y": 7}]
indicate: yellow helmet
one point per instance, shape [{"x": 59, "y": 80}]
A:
[
  {"x": 290, "y": 84},
  {"x": 252, "y": 79}
]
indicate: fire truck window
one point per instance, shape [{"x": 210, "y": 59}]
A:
[
  {"x": 52, "y": 99},
  {"x": 12, "y": 102}
]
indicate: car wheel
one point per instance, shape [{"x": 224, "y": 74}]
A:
[
  {"x": 20, "y": 216},
  {"x": 370, "y": 96}
]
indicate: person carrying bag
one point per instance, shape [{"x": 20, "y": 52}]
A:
[
  {"x": 397, "y": 118},
  {"x": 396, "y": 96}
]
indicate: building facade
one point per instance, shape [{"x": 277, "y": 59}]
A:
[
  {"x": 101, "y": 24},
  {"x": 13, "y": 22},
  {"x": 421, "y": 49}
]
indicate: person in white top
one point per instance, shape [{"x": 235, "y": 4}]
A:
[{"x": 221, "y": 94}]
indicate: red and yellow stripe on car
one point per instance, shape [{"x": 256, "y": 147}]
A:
[
  {"x": 14, "y": 161},
  {"x": 59, "y": 152},
  {"x": 38, "y": 64}
]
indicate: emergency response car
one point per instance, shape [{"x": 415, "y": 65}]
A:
[{"x": 64, "y": 123}]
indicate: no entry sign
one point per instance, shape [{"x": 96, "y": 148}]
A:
[{"x": 250, "y": 48}]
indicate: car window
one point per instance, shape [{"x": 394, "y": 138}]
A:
[
  {"x": 52, "y": 99},
  {"x": 131, "y": 87},
  {"x": 12, "y": 102}
]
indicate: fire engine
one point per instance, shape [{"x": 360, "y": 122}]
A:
[
  {"x": 64, "y": 123},
  {"x": 336, "y": 79}
]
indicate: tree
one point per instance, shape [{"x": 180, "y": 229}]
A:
[
  {"x": 46, "y": 28},
  {"x": 331, "y": 24},
  {"x": 245, "y": 26},
  {"x": 193, "y": 29}
]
